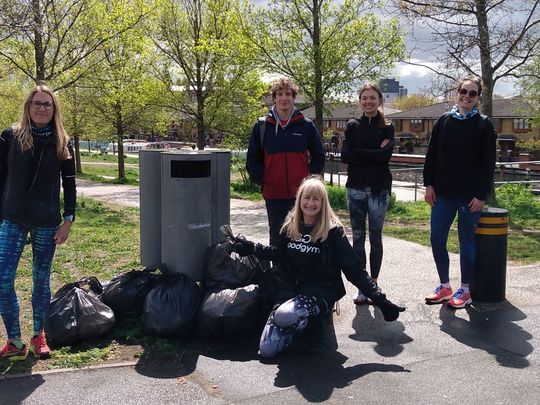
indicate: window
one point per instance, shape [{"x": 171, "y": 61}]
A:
[
  {"x": 341, "y": 124},
  {"x": 326, "y": 123},
  {"x": 497, "y": 123},
  {"x": 417, "y": 125},
  {"x": 521, "y": 123},
  {"x": 397, "y": 125}
]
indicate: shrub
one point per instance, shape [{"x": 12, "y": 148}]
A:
[
  {"x": 519, "y": 200},
  {"x": 337, "y": 197}
]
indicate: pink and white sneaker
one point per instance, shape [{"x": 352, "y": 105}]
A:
[{"x": 460, "y": 299}]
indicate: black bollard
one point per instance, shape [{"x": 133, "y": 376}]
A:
[{"x": 489, "y": 280}]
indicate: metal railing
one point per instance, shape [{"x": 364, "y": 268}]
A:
[{"x": 410, "y": 177}]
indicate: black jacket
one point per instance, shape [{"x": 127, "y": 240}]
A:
[
  {"x": 322, "y": 280},
  {"x": 367, "y": 161},
  {"x": 460, "y": 160},
  {"x": 30, "y": 182}
]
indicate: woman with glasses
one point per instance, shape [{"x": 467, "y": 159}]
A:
[
  {"x": 34, "y": 156},
  {"x": 458, "y": 175}
]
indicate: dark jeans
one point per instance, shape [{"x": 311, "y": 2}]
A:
[
  {"x": 442, "y": 216},
  {"x": 277, "y": 211},
  {"x": 364, "y": 204}
]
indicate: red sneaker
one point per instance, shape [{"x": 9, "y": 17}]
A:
[
  {"x": 460, "y": 299},
  {"x": 10, "y": 352},
  {"x": 440, "y": 294},
  {"x": 38, "y": 346}
]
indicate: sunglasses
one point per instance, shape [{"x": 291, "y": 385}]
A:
[
  {"x": 464, "y": 92},
  {"x": 37, "y": 105}
]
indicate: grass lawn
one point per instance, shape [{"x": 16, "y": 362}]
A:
[{"x": 104, "y": 242}]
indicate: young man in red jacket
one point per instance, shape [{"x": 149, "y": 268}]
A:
[{"x": 282, "y": 152}]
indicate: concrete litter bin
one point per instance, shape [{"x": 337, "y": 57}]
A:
[
  {"x": 190, "y": 201},
  {"x": 489, "y": 281}
]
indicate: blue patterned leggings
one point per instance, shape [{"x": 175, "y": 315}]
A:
[
  {"x": 12, "y": 241},
  {"x": 292, "y": 315}
]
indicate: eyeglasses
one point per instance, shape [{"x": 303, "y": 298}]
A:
[
  {"x": 37, "y": 105},
  {"x": 464, "y": 92}
]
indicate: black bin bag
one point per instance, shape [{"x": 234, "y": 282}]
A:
[
  {"x": 229, "y": 313},
  {"x": 126, "y": 293},
  {"x": 171, "y": 306},
  {"x": 77, "y": 314},
  {"x": 225, "y": 269}
]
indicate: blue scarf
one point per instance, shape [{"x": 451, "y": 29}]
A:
[
  {"x": 42, "y": 134},
  {"x": 456, "y": 114}
]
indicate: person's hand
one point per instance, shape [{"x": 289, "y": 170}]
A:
[
  {"x": 62, "y": 233},
  {"x": 244, "y": 247},
  {"x": 476, "y": 205},
  {"x": 384, "y": 143},
  {"x": 390, "y": 310},
  {"x": 430, "y": 197}
]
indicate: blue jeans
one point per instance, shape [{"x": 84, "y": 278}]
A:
[
  {"x": 364, "y": 204},
  {"x": 442, "y": 216},
  {"x": 12, "y": 242}
]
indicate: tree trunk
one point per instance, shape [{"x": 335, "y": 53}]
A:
[
  {"x": 317, "y": 59},
  {"x": 487, "y": 72},
  {"x": 76, "y": 145},
  {"x": 485, "y": 58},
  {"x": 120, "y": 137},
  {"x": 38, "y": 42}
]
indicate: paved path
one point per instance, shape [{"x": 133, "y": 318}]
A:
[{"x": 485, "y": 354}]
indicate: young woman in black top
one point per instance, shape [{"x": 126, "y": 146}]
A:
[
  {"x": 368, "y": 145},
  {"x": 309, "y": 257}
]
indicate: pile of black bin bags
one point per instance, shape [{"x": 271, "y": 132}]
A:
[{"x": 237, "y": 301}]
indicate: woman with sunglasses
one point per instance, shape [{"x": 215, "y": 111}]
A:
[
  {"x": 34, "y": 156},
  {"x": 458, "y": 174}
]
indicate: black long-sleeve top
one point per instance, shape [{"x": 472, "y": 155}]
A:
[
  {"x": 368, "y": 163},
  {"x": 460, "y": 160},
  {"x": 30, "y": 182},
  {"x": 314, "y": 268}
]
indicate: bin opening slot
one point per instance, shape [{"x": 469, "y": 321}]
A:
[{"x": 190, "y": 168}]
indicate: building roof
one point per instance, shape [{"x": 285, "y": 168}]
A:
[
  {"x": 502, "y": 108},
  {"x": 342, "y": 111}
]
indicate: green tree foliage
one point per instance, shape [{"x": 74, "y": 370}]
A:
[
  {"x": 412, "y": 101},
  {"x": 13, "y": 90},
  {"x": 487, "y": 39},
  {"x": 530, "y": 88},
  {"x": 215, "y": 83},
  {"x": 52, "y": 40},
  {"x": 326, "y": 46},
  {"x": 121, "y": 90}
]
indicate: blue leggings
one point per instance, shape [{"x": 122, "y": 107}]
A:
[{"x": 12, "y": 241}]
